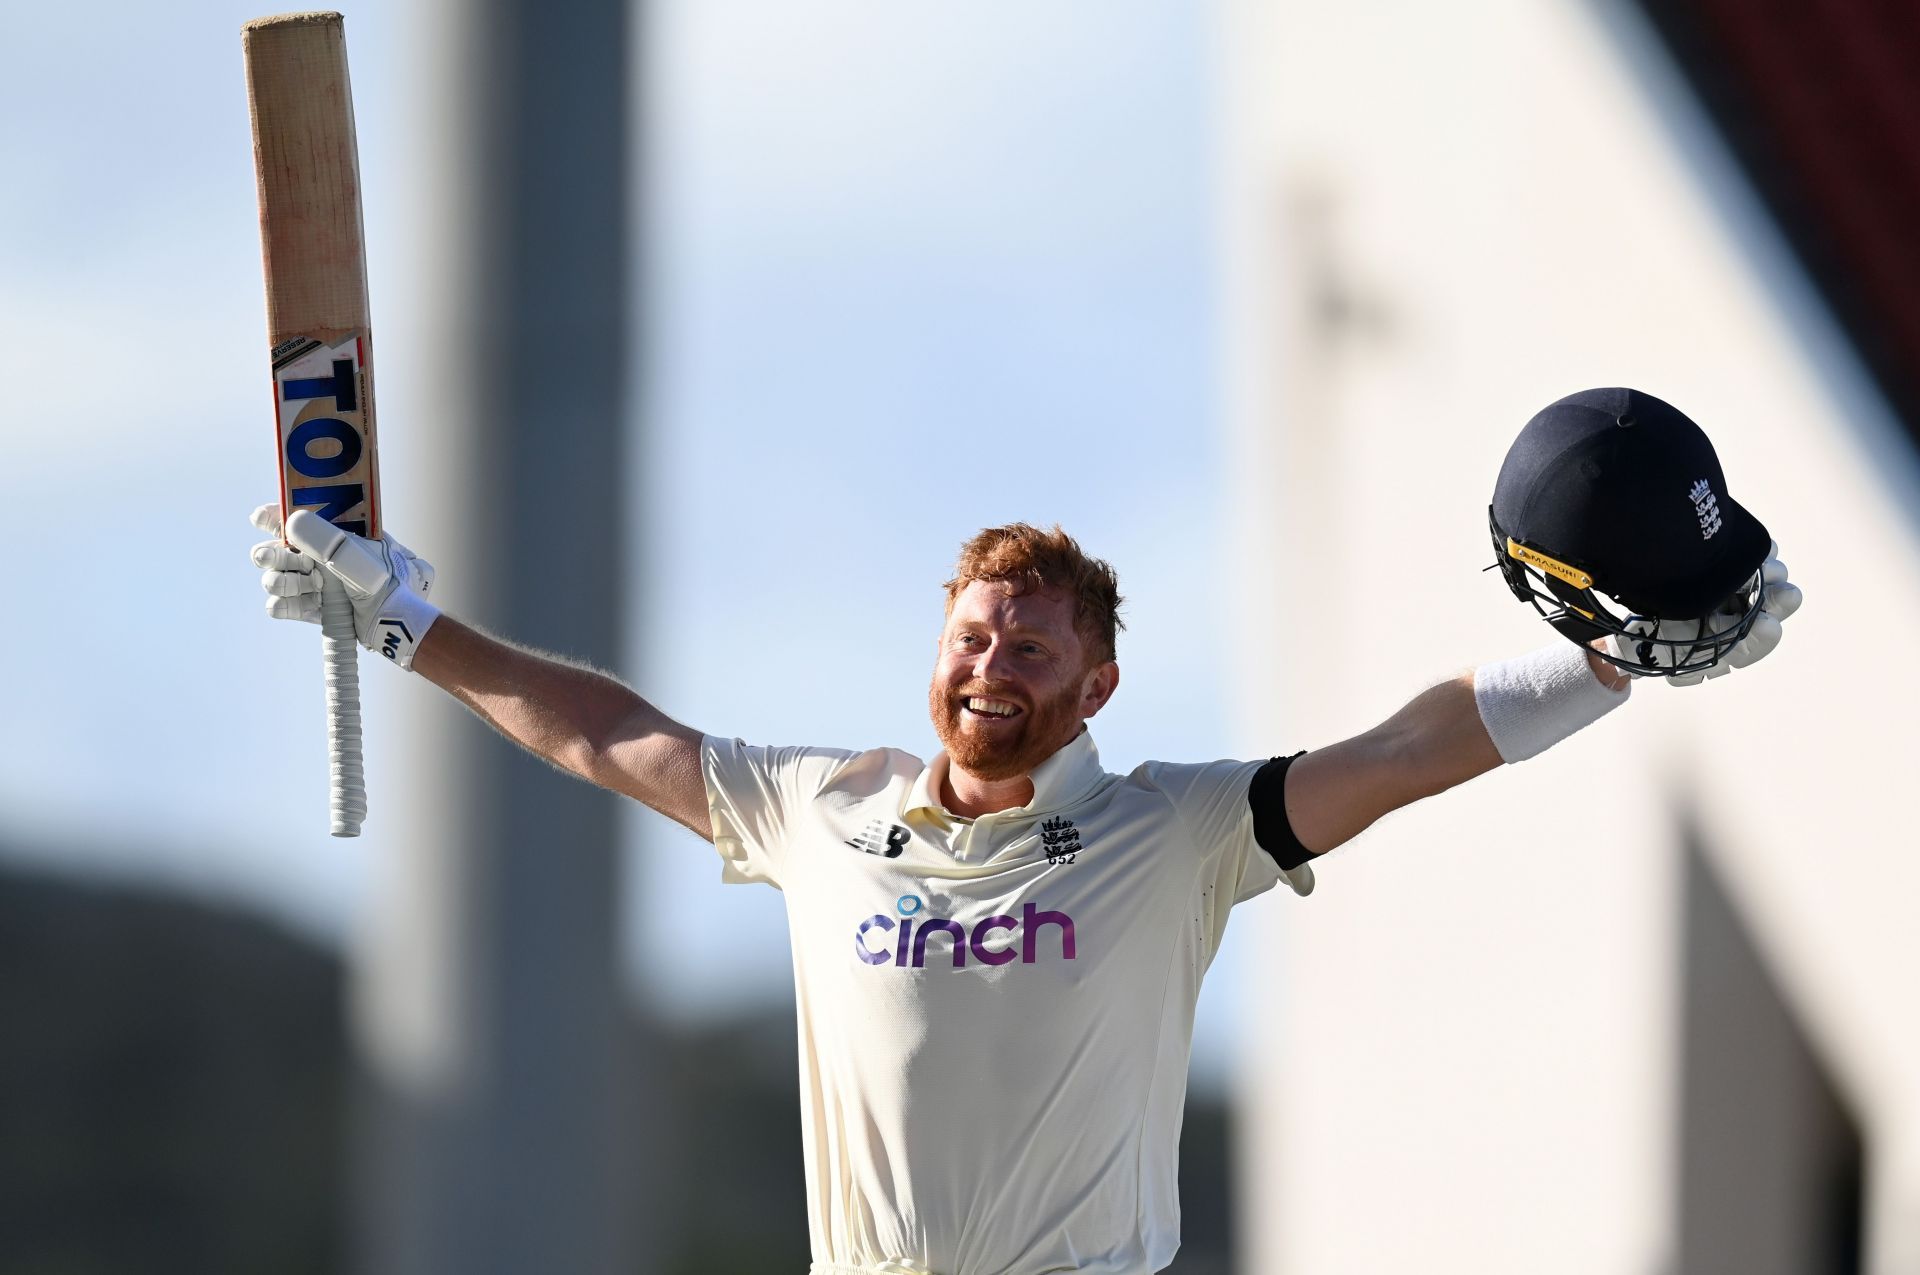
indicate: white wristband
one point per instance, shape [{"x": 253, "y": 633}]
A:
[{"x": 1533, "y": 701}]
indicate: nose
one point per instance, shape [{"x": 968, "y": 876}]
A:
[{"x": 992, "y": 664}]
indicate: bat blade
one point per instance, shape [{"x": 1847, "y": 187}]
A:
[{"x": 307, "y": 170}]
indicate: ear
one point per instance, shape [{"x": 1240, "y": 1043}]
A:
[{"x": 1097, "y": 687}]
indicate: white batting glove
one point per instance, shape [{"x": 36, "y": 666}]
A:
[
  {"x": 386, "y": 582},
  {"x": 1778, "y": 600}
]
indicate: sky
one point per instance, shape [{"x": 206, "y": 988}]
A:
[{"x": 910, "y": 270}]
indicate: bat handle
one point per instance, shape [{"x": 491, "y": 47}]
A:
[{"x": 347, "y": 795}]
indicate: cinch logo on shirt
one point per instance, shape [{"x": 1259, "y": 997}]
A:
[{"x": 1017, "y": 938}]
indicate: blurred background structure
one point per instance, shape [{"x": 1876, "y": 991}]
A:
[
  {"x": 1643, "y": 1004},
  {"x": 1251, "y": 296},
  {"x": 497, "y": 1129}
]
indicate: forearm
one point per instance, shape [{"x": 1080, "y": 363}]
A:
[
  {"x": 1434, "y": 742},
  {"x": 1440, "y": 739},
  {"x": 578, "y": 718}
]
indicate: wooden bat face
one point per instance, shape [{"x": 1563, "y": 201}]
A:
[
  {"x": 307, "y": 167},
  {"x": 323, "y": 398}
]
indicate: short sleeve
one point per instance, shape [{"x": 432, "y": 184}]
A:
[
  {"x": 1211, "y": 799},
  {"x": 754, "y": 799}
]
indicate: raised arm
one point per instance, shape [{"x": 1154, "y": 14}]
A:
[
  {"x": 582, "y": 720},
  {"x": 1439, "y": 739},
  {"x": 1512, "y": 709}
]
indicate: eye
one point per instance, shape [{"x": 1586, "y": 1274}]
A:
[{"x": 1033, "y": 648}]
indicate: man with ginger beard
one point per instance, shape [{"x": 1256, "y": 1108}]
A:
[
  {"x": 1001, "y": 711},
  {"x": 997, "y": 951}
]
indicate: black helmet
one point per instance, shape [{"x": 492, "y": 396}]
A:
[{"x": 1612, "y": 494}]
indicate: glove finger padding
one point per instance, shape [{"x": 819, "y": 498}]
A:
[
  {"x": 267, "y": 518},
  {"x": 1666, "y": 644},
  {"x": 1778, "y": 600},
  {"x": 290, "y": 584},
  {"x": 274, "y": 556},
  {"x": 1705, "y": 674},
  {"x": 304, "y": 607},
  {"x": 1760, "y": 641},
  {"x": 1781, "y": 600},
  {"x": 347, "y": 556}
]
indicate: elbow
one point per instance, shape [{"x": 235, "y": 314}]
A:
[
  {"x": 589, "y": 751},
  {"x": 596, "y": 752},
  {"x": 598, "y": 758},
  {"x": 582, "y": 758}
]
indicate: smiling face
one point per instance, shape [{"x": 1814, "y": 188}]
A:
[{"x": 1014, "y": 681}]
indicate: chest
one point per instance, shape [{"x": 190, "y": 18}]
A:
[{"x": 918, "y": 892}]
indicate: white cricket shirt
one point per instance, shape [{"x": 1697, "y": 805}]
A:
[{"x": 995, "y": 1014}]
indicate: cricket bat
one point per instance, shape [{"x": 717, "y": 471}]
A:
[{"x": 307, "y": 168}]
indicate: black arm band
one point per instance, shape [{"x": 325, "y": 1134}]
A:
[{"x": 1267, "y": 798}]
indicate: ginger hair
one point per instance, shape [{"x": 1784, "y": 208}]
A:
[{"x": 1029, "y": 559}]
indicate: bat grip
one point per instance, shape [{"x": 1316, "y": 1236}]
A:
[{"x": 347, "y": 797}]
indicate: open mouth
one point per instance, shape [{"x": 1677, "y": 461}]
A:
[{"x": 989, "y": 708}]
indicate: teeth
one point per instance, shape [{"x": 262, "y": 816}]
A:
[{"x": 997, "y": 707}]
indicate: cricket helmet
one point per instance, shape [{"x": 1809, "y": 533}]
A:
[{"x": 1611, "y": 516}]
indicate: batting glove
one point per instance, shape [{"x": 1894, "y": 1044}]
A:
[
  {"x": 386, "y": 582},
  {"x": 1778, "y": 600}
]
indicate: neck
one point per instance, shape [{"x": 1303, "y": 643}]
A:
[{"x": 970, "y": 796}]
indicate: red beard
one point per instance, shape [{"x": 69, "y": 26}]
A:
[{"x": 993, "y": 751}]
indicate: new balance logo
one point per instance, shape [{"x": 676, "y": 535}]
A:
[
  {"x": 882, "y": 838},
  {"x": 1061, "y": 840},
  {"x": 1706, "y": 508}
]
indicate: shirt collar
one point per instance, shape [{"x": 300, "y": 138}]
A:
[{"x": 1058, "y": 781}]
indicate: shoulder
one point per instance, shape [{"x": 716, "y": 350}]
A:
[
  {"x": 864, "y": 773},
  {"x": 1209, "y": 798},
  {"x": 1181, "y": 781},
  {"x": 821, "y": 766}
]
